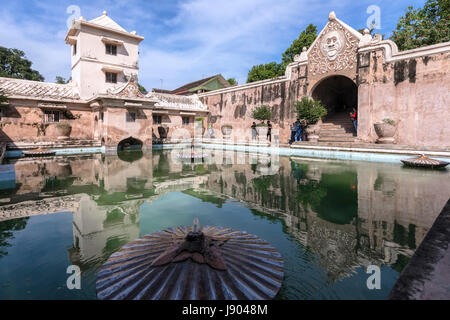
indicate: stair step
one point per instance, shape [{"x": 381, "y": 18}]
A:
[
  {"x": 343, "y": 139},
  {"x": 337, "y": 130},
  {"x": 331, "y": 127},
  {"x": 337, "y": 135}
]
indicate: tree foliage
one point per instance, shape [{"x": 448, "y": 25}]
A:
[
  {"x": 3, "y": 98},
  {"x": 232, "y": 81},
  {"x": 274, "y": 69},
  {"x": 142, "y": 89},
  {"x": 265, "y": 71},
  {"x": 423, "y": 26},
  {"x": 14, "y": 64},
  {"x": 61, "y": 80},
  {"x": 310, "y": 110},
  {"x": 305, "y": 39},
  {"x": 262, "y": 113}
]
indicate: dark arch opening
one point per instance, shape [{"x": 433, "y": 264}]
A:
[
  {"x": 129, "y": 144},
  {"x": 337, "y": 93}
]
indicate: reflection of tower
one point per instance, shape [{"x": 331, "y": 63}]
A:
[{"x": 101, "y": 230}]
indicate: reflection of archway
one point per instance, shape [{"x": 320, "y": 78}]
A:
[
  {"x": 337, "y": 93},
  {"x": 129, "y": 144}
]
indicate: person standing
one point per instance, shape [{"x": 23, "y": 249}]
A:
[
  {"x": 354, "y": 116},
  {"x": 254, "y": 132},
  {"x": 298, "y": 133},
  {"x": 304, "y": 124},
  {"x": 269, "y": 131},
  {"x": 293, "y": 132},
  {"x": 211, "y": 131}
]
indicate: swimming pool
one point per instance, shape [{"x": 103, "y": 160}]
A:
[{"x": 329, "y": 219}]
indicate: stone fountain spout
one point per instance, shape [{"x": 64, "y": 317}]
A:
[{"x": 197, "y": 247}]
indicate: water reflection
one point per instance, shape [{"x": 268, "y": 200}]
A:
[{"x": 348, "y": 214}]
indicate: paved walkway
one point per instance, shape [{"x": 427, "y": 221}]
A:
[{"x": 427, "y": 275}]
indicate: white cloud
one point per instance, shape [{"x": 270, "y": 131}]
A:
[
  {"x": 47, "y": 50},
  {"x": 184, "y": 41}
]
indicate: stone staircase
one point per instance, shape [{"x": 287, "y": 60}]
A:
[{"x": 337, "y": 128}]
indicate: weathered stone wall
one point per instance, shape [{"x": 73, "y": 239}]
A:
[
  {"x": 23, "y": 121},
  {"x": 234, "y": 106},
  {"x": 412, "y": 92},
  {"x": 116, "y": 127},
  {"x": 174, "y": 127}
]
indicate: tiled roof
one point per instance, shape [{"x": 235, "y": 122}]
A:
[
  {"x": 186, "y": 88},
  {"x": 36, "y": 89}
]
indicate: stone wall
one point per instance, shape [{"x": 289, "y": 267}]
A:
[
  {"x": 116, "y": 127},
  {"x": 234, "y": 106},
  {"x": 23, "y": 121},
  {"x": 413, "y": 92}
]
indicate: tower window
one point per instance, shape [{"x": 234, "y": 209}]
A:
[
  {"x": 185, "y": 121},
  {"x": 74, "y": 52},
  {"x": 111, "y": 77},
  {"x": 131, "y": 116},
  {"x": 51, "y": 116},
  {"x": 156, "y": 119},
  {"x": 111, "y": 49}
]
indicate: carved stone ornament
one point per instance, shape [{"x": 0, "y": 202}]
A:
[
  {"x": 130, "y": 90},
  {"x": 336, "y": 50}
]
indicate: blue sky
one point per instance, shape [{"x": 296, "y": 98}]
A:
[{"x": 185, "y": 40}]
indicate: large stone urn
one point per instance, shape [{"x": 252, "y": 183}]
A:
[
  {"x": 226, "y": 131},
  {"x": 313, "y": 131},
  {"x": 199, "y": 130},
  {"x": 63, "y": 130},
  {"x": 262, "y": 133},
  {"x": 385, "y": 132}
]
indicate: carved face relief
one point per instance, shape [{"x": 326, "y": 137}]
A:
[{"x": 331, "y": 44}]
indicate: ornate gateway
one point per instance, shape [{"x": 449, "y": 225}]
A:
[{"x": 335, "y": 50}]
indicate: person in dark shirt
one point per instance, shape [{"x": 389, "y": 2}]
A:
[
  {"x": 293, "y": 132},
  {"x": 298, "y": 132},
  {"x": 254, "y": 132},
  {"x": 269, "y": 131}
]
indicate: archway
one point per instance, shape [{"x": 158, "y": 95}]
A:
[
  {"x": 129, "y": 144},
  {"x": 338, "y": 94}
]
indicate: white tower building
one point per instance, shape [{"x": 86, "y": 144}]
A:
[{"x": 104, "y": 55}]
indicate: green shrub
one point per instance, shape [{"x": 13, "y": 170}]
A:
[
  {"x": 389, "y": 121},
  {"x": 262, "y": 113},
  {"x": 310, "y": 110}
]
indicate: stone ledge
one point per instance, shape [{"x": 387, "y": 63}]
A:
[
  {"x": 426, "y": 277},
  {"x": 374, "y": 148}
]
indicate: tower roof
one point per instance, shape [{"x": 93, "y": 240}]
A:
[{"x": 107, "y": 22}]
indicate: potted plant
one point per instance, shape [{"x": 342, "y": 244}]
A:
[
  {"x": 262, "y": 113},
  {"x": 226, "y": 130},
  {"x": 312, "y": 111},
  {"x": 385, "y": 131},
  {"x": 199, "y": 127},
  {"x": 63, "y": 130}
]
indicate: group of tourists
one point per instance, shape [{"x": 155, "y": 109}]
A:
[
  {"x": 298, "y": 132},
  {"x": 255, "y": 132}
]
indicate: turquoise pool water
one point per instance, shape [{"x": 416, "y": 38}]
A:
[{"x": 329, "y": 220}]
